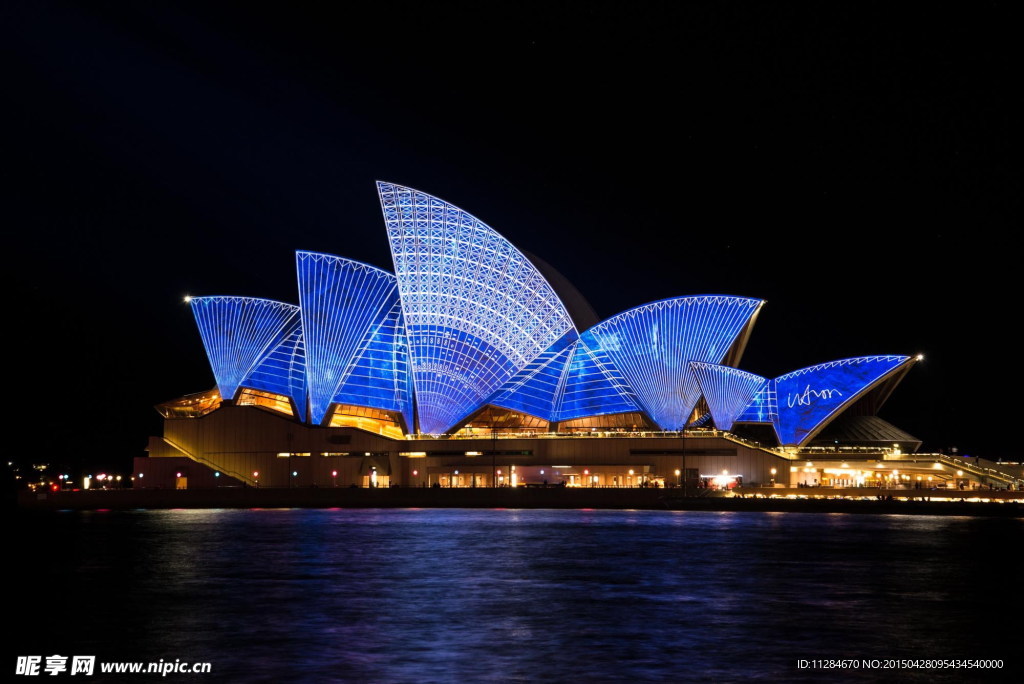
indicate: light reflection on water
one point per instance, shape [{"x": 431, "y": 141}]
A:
[{"x": 520, "y": 595}]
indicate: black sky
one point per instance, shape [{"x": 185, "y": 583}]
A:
[{"x": 848, "y": 163}]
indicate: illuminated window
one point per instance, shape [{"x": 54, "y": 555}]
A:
[
  {"x": 268, "y": 400},
  {"x": 614, "y": 422},
  {"x": 381, "y": 422},
  {"x": 191, "y": 405},
  {"x": 495, "y": 420}
]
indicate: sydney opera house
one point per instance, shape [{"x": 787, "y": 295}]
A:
[{"x": 474, "y": 364}]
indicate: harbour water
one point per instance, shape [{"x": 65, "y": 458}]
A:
[{"x": 454, "y": 595}]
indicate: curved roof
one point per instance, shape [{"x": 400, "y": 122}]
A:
[
  {"x": 727, "y": 391},
  {"x": 283, "y": 370},
  {"x": 379, "y": 375},
  {"x": 350, "y": 312},
  {"x": 809, "y": 398},
  {"x": 593, "y": 387},
  {"x": 565, "y": 382},
  {"x": 537, "y": 387},
  {"x": 865, "y": 430},
  {"x": 476, "y": 310},
  {"x": 239, "y": 333},
  {"x": 468, "y": 319},
  {"x": 653, "y": 345}
]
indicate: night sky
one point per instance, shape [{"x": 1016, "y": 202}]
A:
[{"x": 848, "y": 164}]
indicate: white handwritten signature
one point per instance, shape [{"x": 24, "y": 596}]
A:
[{"x": 804, "y": 398}]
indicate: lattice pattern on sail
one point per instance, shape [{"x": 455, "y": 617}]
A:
[
  {"x": 379, "y": 376},
  {"x": 592, "y": 386},
  {"x": 828, "y": 365},
  {"x": 283, "y": 371},
  {"x": 342, "y": 301},
  {"x": 468, "y": 320},
  {"x": 727, "y": 391},
  {"x": 653, "y": 345},
  {"x": 238, "y": 333},
  {"x": 476, "y": 310},
  {"x": 535, "y": 389}
]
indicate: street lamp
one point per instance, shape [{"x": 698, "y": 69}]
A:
[{"x": 773, "y": 471}]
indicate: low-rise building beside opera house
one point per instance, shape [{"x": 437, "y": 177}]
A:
[{"x": 473, "y": 364}]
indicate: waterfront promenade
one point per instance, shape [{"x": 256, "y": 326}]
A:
[{"x": 868, "y": 500}]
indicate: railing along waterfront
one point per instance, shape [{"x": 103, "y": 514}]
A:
[
  {"x": 960, "y": 464},
  {"x": 613, "y": 434}
]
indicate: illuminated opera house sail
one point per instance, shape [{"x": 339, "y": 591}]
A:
[{"x": 470, "y": 336}]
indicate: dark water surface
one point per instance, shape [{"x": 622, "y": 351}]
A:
[{"x": 518, "y": 595}]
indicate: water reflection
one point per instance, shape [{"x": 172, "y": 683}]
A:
[{"x": 517, "y": 595}]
